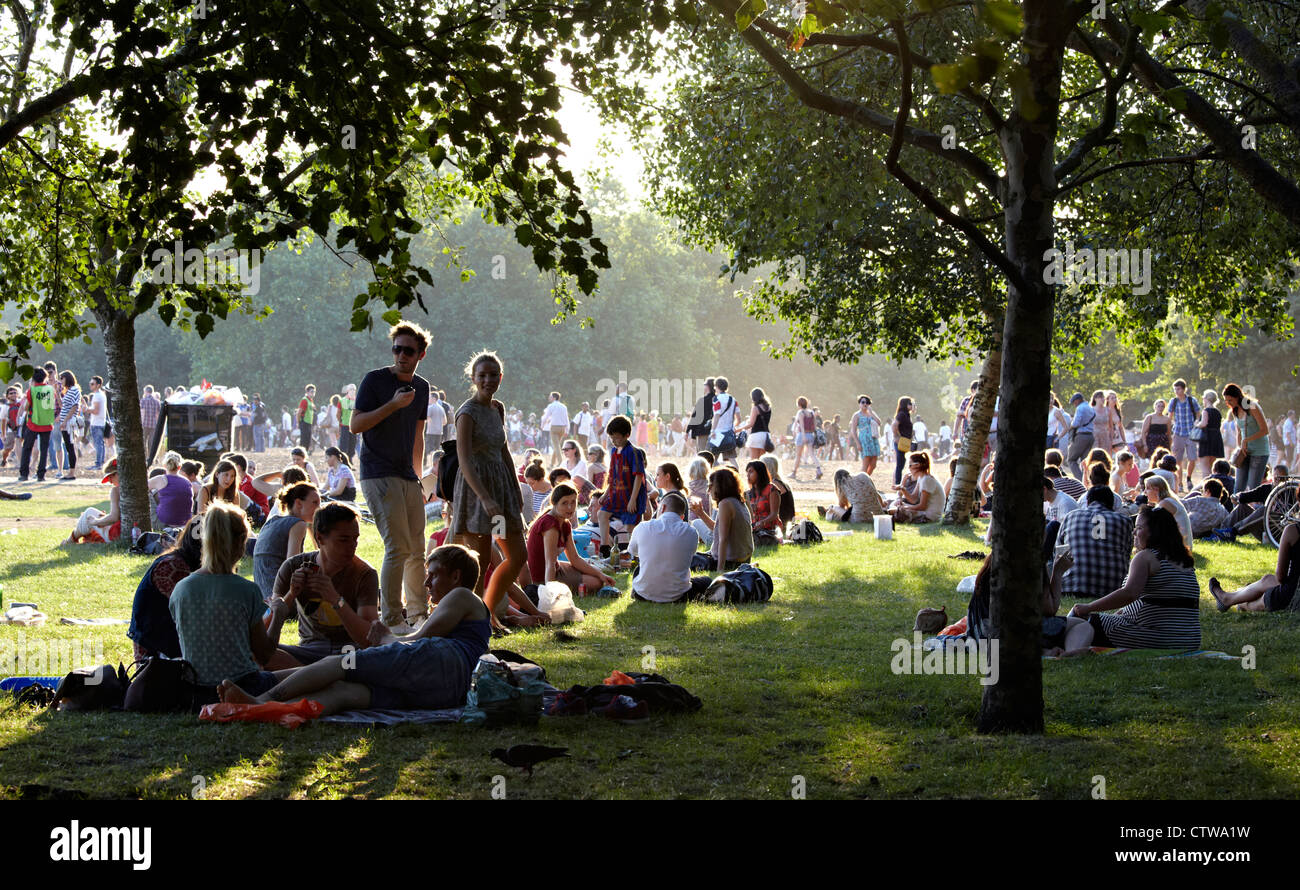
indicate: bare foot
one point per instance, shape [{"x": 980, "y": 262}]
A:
[
  {"x": 231, "y": 694},
  {"x": 1054, "y": 652}
]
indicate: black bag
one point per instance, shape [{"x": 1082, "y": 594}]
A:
[
  {"x": 805, "y": 531},
  {"x": 765, "y": 537},
  {"x": 819, "y": 438},
  {"x": 728, "y": 443},
  {"x": 448, "y": 470},
  {"x": 91, "y": 689},
  {"x": 160, "y": 684},
  {"x": 746, "y": 584},
  {"x": 770, "y": 445},
  {"x": 741, "y": 438},
  {"x": 703, "y": 562},
  {"x": 152, "y": 544},
  {"x": 108, "y": 429}
]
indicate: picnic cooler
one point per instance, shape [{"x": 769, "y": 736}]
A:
[{"x": 195, "y": 432}]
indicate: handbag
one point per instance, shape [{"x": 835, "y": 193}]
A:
[
  {"x": 1197, "y": 434},
  {"x": 904, "y": 444},
  {"x": 160, "y": 684},
  {"x": 108, "y": 429},
  {"x": 1239, "y": 457},
  {"x": 770, "y": 445}
]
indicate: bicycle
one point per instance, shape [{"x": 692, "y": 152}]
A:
[{"x": 1281, "y": 509}]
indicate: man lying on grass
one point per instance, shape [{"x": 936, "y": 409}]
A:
[{"x": 430, "y": 669}]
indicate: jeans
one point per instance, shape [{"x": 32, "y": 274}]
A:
[
  {"x": 900, "y": 459},
  {"x": 1251, "y": 473},
  {"x": 259, "y": 438},
  {"x": 97, "y": 436},
  {"x": 29, "y": 438},
  {"x": 54, "y": 447},
  {"x": 398, "y": 507}
]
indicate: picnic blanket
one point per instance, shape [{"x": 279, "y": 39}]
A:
[
  {"x": 393, "y": 718},
  {"x": 93, "y": 622},
  {"x": 1158, "y": 653}
]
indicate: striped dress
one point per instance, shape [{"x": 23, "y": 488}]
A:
[{"x": 1166, "y": 616}]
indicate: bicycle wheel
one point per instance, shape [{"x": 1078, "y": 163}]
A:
[{"x": 1280, "y": 510}]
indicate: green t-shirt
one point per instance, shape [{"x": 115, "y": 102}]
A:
[
  {"x": 345, "y": 411},
  {"x": 213, "y": 615},
  {"x": 42, "y": 413}
]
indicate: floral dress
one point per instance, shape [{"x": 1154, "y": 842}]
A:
[
  {"x": 496, "y": 476},
  {"x": 864, "y": 426}
]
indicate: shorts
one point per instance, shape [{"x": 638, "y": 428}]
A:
[
  {"x": 256, "y": 682},
  {"x": 1053, "y": 632},
  {"x": 1183, "y": 448},
  {"x": 428, "y": 674},
  {"x": 1279, "y": 598},
  {"x": 1099, "y": 637},
  {"x": 432, "y": 442},
  {"x": 804, "y": 438},
  {"x": 11, "y": 438},
  {"x": 312, "y": 652},
  {"x": 757, "y": 440}
]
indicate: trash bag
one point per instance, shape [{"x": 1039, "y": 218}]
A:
[{"x": 290, "y": 715}]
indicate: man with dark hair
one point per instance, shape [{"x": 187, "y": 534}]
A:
[
  {"x": 98, "y": 418},
  {"x": 723, "y": 432},
  {"x": 1093, "y": 548},
  {"x": 1081, "y": 435},
  {"x": 150, "y": 413},
  {"x": 392, "y": 404},
  {"x": 40, "y": 421},
  {"x": 1056, "y": 503},
  {"x": 306, "y": 416},
  {"x": 702, "y": 418},
  {"x": 1185, "y": 411}
]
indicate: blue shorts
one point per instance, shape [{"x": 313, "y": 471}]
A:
[
  {"x": 256, "y": 682},
  {"x": 428, "y": 674}
]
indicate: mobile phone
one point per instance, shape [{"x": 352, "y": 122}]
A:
[{"x": 407, "y": 389}]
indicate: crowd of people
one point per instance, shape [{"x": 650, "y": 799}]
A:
[{"x": 597, "y": 493}]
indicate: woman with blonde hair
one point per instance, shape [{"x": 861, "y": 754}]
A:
[
  {"x": 1159, "y": 495},
  {"x": 173, "y": 493},
  {"x": 219, "y": 615},
  {"x": 487, "y": 502}
]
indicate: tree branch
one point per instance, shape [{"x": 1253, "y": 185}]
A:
[
  {"x": 1205, "y": 154},
  {"x": 1098, "y": 134},
  {"x": 926, "y": 197},
  {"x": 861, "y": 115}
]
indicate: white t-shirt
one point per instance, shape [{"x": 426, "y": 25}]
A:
[
  {"x": 1056, "y": 510},
  {"x": 664, "y": 546},
  {"x": 1288, "y": 432},
  {"x": 920, "y": 433},
  {"x": 435, "y": 421},
  {"x": 579, "y": 469},
  {"x": 286, "y": 422},
  {"x": 98, "y": 401},
  {"x": 934, "y": 509},
  {"x": 724, "y": 409},
  {"x": 945, "y": 433},
  {"x": 584, "y": 423}
]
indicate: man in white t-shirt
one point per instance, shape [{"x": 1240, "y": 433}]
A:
[
  {"x": 434, "y": 422},
  {"x": 555, "y": 418},
  {"x": 1056, "y": 503},
  {"x": 724, "y": 419},
  {"x": 1289, "y": 439},
  {"x": 663, "y": 548},
  {"x": 286, "y": 426},
  {"x": 98, "y": 417},
  {"x": 586, "y": 418},
  {"x": 920, "y": 434}
]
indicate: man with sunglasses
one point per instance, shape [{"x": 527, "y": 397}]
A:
[{"x": 391, "y": 409}]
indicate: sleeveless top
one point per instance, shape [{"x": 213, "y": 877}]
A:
[
  {"x": 1249, "y": 427},
  {"x": 904, "y": 425},
  {"x": 786, "y": 509},
  {"x": 471, "y": 637},
  {"x": 1166, "y": 616},
  {"x": 740, "y": 535},
  {"x": 175, "y": 501},
  {"x": 761, "y": 505},
  {"x": 762, "y": 420},
  {"x": 271, "y": 551},
  {"x": 1213, "y": 419}
]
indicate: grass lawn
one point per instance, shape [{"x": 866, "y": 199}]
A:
[{"x": 800, "y": 686}]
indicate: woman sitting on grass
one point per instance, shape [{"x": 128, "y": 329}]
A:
[
  {"x": 152, "y": 630},
  {"x": 667, "y": 478},
  {"x": 430, "y": 669},
  {"x": 549, "y": 535},
  {"x": 925, "y": 502},
  {"x": 340, "y": 484},
  {"x": 223, "y": 485},
  {"x": 783, "y": 491},
  {"x": 1159, "y": 602},
  {"x": 534, "y": 491},
  {"x": 95, "y": 526},
  {"x": 764, "y": 503},
  {"x": 1272, "y": 593},
  {"x": 218, "y": 614},
  {"x": 730, "y": 529},
  {"x": 857, "y": 497},
  {"x": 1157, "y": 492},
  {"x": 283, "y": 536}
]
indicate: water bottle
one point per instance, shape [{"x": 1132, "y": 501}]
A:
[
  {"x": 135, "y": 534},
  {"x": 582, "y": 589}
]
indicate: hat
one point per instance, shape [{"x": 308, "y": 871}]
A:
[
  {"x": 1077, "y": 397},
  {"x": 110, "y": 470}
]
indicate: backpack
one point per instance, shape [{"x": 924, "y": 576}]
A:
[
  {"x": 746, "y": 584},
  {"x": 160, "y": 684},
  {"x": 152, "y": 544},
  {"x": 448, "y": 470},
  {"x": 91, "y": 689},
  {"x": 805, "y": 531},
  {"x": 819, "y": 438}
]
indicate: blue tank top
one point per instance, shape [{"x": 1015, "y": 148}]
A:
[
  {"x": 471, "y": 638},
  {"x": 271, "y": 551}
]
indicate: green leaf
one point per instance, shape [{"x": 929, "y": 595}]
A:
[
  {"x": 748, "y": 11},
  {"x": 1003, "y": 16},
  {"x": 949, "y": 78},
  {"x": 392, "y": 316}
]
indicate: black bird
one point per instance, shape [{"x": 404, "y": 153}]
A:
[{"x": 527, "y": 756}]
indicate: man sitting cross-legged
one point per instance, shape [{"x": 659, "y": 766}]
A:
[{"x": 430, "y": 669}]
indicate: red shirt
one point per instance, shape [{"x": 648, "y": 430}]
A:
[
  {"x": 537, "y": 546},
  {"x": 255, "y": 496}
]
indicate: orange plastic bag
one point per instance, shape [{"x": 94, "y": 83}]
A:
[
  {"x": 955, "y": 629},
  {"x": 618, "y": 678},
  {"x": 290, "y": 715}
]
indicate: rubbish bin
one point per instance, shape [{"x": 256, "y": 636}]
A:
[{"x": 195, "y": 432}]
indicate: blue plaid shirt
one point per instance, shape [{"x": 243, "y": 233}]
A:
[{"x": 1185, "y": 415}]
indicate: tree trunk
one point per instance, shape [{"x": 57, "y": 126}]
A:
[
  {"x": 1015, "y": 702},
  {"x": 974, "y": 435},
  {"x": 119, "y": 350}
]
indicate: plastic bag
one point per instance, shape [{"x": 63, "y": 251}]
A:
[
  {"x": 290, "y": 715},
  {"x": 556, "y": 599}
]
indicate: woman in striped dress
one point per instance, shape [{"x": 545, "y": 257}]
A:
[{"x": 1159, "y": 604}]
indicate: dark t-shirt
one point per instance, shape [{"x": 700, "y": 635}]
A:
[
  {"x": 386, "y": 447},
  {"x": 358, "y": 584}
]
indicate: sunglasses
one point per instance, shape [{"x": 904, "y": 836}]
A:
[{"x": 404, "y": 350}]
